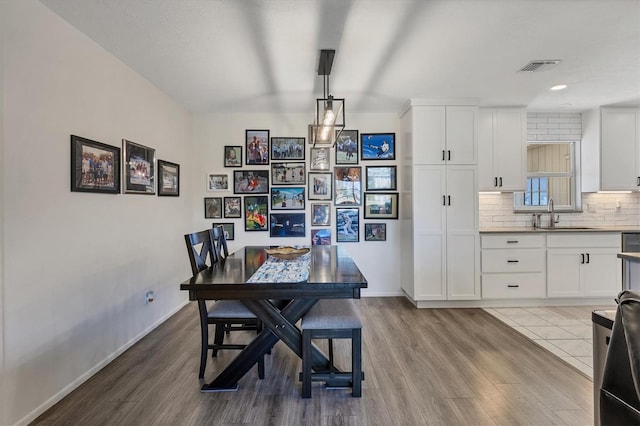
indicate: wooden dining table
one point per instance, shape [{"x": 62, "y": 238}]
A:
[{"x": 332, "y": 274}]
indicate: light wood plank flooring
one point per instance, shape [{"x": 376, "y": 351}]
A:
[{"x": 422, "y": 366}]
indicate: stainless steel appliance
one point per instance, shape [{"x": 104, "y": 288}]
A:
[
  {"x": 630, "y": 244},
  {"x": 602, "y": 324}
]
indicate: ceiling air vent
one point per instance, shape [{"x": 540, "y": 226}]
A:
[{"x": 540, "y": 65}]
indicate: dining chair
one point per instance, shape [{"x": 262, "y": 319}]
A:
[
  {"x": 225, "y": 315},
  {"x": 332, "y": 319},
  {"x": 620, "y": 389},
  {"x": 220, "y": 240}
]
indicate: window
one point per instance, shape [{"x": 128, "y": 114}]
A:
[
  {"x": 536, "y": 194},
  {"x": 552, "y": 173}
]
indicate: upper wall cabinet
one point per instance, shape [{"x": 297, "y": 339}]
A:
[
  {"x": 619, "y": 149},
  {"x": 502, "y": 149},
  {"x": 445, "y": 135}
]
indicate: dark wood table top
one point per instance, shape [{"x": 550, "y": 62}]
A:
[{"x": 333, "y": 273}]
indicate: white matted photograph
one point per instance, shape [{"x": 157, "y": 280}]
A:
[{"x": 217, "y": 182}]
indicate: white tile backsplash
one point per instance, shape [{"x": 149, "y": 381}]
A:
[
  {"x": 554, "y": 126},
  {"x": 496, "y": 211}
]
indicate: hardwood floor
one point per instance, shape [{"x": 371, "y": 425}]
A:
[{"x": 422, "y": 367}]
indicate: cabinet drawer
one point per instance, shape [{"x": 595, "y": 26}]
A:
[
  {"x": 523, "y": 260},
  {"x": 593, "y": 239},
  {"x": 513, "y": 286},
  {"x": 512, "y": 241}
]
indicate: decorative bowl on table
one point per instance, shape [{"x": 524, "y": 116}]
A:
[{"x": 287, "y": 252}]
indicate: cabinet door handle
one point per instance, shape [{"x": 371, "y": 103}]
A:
[
  {"x": 449, "y": 200},
  {"x": 513, "y": 285},
  {"x": 444, "y": 200},
  {"x": 581, "y": 257},
  {"x": 495, "y": 181},
  {"x": 512, "y": 241},
  {"x": 638, "y": 181},
  {"x": 512, "y": 261},
  {"x": 587, "y": 257},
  {"x": 443, "y": 155},
  {"x": 449, "y": 152},
  {"x": 501, "y": 182}
]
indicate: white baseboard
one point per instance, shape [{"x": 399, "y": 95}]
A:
[
  {"x": 86, "y": 376},
  {"x": 364, "y": 294}
]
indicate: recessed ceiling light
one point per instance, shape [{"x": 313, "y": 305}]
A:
[{"x": 559, "y": 87}]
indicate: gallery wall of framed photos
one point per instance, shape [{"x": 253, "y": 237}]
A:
[
  {"x": 287, "y": 187},
  {"x": 258, "y": 201}
]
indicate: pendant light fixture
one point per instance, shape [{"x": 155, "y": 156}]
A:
[{"x": 329, "y": 118}]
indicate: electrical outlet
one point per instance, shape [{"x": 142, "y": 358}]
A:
[{"x": 148, "y": 297}]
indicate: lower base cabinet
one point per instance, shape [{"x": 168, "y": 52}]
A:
[
  {"x": 555, "y": 265},
  {"x": 513, "y": 266},
  {"x": 513, "y": 286},
  {"x": 583, "y": 265}
]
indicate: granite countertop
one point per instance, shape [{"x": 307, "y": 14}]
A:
[{"x": 557, "y": 229}]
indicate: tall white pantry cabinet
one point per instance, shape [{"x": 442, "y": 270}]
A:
[{"x": 440, "y": 238}]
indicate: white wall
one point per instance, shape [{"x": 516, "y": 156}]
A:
[
  {"x": 76, "y": 265},
  {"x": 378, "y": 260}
]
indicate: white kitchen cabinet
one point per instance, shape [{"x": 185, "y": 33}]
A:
[
  {"x": 513, "y": 266},
  {"x": 444, "y": 134},
  {"x": 583, "y": 265},
  {"x": 502, "y": 149},
  {"x": 619, "y": 149},
  {"x": 440, "y": 240},
  {"x": 445, "y": 225}
]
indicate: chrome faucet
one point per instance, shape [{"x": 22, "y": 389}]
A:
[{"x": 552, "y": 214}]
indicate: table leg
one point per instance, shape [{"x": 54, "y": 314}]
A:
[{"x": 279, "y": 325}]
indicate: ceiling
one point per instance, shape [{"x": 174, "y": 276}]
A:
[{"x": 262, "y": 55}]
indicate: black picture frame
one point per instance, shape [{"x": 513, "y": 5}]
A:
[
  {"x": 213, "y": 208},
  {"x": 87, "y": 158},
  {"x": 257, "y": 146},
  {"x": 375, "y": 232},
  {"x": 232, "y": 207},
  {"x": 251, "y": 181},
  {"x": 347, "y": 144},
  {"x": 348, "y": 225},
  {"x": 288, "y": 198},
  {"x": 256, "y": 213},
  {"x": 233, "y": 156},
  {"x": 288, "y": 173},
  {"x": 229, "y": 230},
  {"x": 378, "y": 146},
  {"x": 347, "y": 186},
  {"x": 139, "y": 168},
  {"x": 286, "y": 149},
  {"x": 381, "y": 178},
  {"x": 168, "y": 179},
  {"x": 381, "y": 205},
  {"x": 320, "y": 186},
  {"x": 291, "y": 225}
]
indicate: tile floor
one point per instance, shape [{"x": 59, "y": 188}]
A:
[{"x": 564, "y": 331}]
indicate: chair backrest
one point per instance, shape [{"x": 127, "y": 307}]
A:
[
  {"x": 200, "y": 247},
  {"x": 220, "y": 241},
  {"x": 620, "y": 390}
]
